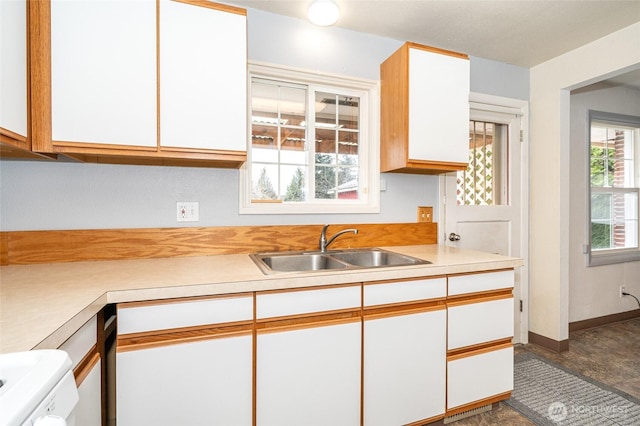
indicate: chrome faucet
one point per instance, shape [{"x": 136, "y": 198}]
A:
[{"x": 323, "y": 237}]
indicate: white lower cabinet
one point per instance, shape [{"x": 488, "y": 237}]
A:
[
  {"x": 88, "y": 410},
  {"x": 309, "y": 376},
  {"x": 207, "y": 382},
  {"x": 192, "y": 366},
  {"x": 404, "y": 351},
  {"x": 308, "y": 357},
  {"x": 86, "y": 364},
  {"x": 479, "y": 334},
  {"x": 404, "y": 368},
  {"x": 476, "y": 377}
]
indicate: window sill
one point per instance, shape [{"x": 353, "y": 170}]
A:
[{"x": 611, "y": 258}]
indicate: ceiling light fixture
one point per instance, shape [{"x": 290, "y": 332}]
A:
[{"x": 323, "y": 12}]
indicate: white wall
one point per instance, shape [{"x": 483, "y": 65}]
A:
[
  {"x": 550, "y": 218},
  {"x": 594, "y": 291},
  {"x": 35, "y": 196}
]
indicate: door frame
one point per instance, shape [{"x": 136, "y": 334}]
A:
[{"x": 502, "y": 104}]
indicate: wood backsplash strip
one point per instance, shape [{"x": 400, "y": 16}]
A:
[{"x": 31, "y": 247}]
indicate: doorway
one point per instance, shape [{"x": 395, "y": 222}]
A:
[{"x": 486, "y": 207}]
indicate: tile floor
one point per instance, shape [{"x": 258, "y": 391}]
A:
[{"x": 609, "y": 354}]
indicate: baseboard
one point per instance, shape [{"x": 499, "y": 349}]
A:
[
  {"x": 604, "y": 320},
  {"x": 548, "y": 343}
]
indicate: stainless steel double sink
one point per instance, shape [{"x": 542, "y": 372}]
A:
[{"x": 308, "y": 261}]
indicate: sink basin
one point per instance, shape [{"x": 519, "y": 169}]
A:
[
  {"x": 301, "y": 262},
  {"x": 280, "y": 262},
  {"x": 377, "y": 258}
]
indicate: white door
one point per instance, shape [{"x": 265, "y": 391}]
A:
[{"x": 485, "y": 208}]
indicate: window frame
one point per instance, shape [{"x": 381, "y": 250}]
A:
[
  {"x": 369, "y": 149},
  {"x": 613, "y": 255}
]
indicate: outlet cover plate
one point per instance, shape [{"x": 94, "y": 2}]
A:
[{"x": 188, "y": 211}]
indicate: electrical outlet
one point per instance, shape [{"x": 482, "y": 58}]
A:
[
  {"x": 623, "y": 289},
  {"x": 425, "y": 214},
  {"x": 188, "y": 211}
]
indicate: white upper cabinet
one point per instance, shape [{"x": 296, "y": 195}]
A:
[
  {"x": 424, "y": 110},
  {"x": 438, "y": 107},
  {"x": 103, "y": 72},
  {"x": 13, "y": 69},
  {"x": 203, "y": 76}
]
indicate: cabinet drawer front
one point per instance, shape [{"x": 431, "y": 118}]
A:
[
  {"x": 475, "y": 323},
  {"x": 480, "y": 376},
  {"x": 407, "y": 291},
  {"x": 82, "y": 341},
  {"x": 269, "y": 305},
  {"x": 164, "y": 316},
  {"x": 473, "y": 283}
]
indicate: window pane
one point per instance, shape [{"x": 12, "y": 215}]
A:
[
  {"x": 485, "y": 181},
  {"x": 614, "y": 220},
  {"x": 326, "y": 181},
  {"x": 612, "y": 151},
  {"x": 348, "y": 143},
  {"x": 294, "y": 177},
  {"x": 262, "y": 184},
  {"x": 348, "y": 112},
  {"x": 337, "y": 138},
  {"x": 326, "y": 141}
]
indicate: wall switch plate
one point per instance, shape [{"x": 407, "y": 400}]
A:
[
  {"x": 425, "y": 214},
  {"x": 188, "y": 211}
]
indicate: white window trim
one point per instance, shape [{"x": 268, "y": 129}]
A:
[
  {"x": 369, "y": 162},
  {"x": 615, "y": 255}
]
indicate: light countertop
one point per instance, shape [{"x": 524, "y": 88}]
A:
[{"x": 43, "y": 305}]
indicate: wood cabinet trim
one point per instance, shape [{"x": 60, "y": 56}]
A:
[
  {"x": 399, "y": 309},
  {"x": 479, "y": 403},
  {"x": 308, "y": 321},
  {"x": 39, "y": 64},
  {"x": 490, "y": 271},
  {"x": 412, "y": 45},
  {"x": 216, "y": 6},
  {"x": 404, "y": 280},
  {"x": 480, "y": 349},
  {"x": 479, "y": 297},
  {"x": 154, "y": 339},
  {"x": 426, "y": 421},
  {"x": 85, "y": 365},
  {"x": 302, "y": 289}
]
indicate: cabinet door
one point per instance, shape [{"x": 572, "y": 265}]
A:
[
  {"x": 477, "y": 376},
  {"x": 309, "y": 376},
  {"x": 404, "y": 368},
  {"x": 203, "y": 76},
  {"x": 438, "y": 107},
  {"x": 85, "y": 362},
  {"x": 103, "y": 72},
  {"x": 206, "y": 382},
  {"x": 13, "y": 69},
  {"x": 88, "y": 412}
]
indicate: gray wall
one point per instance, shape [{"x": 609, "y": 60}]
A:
[{"x": 38, "y": 195}]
